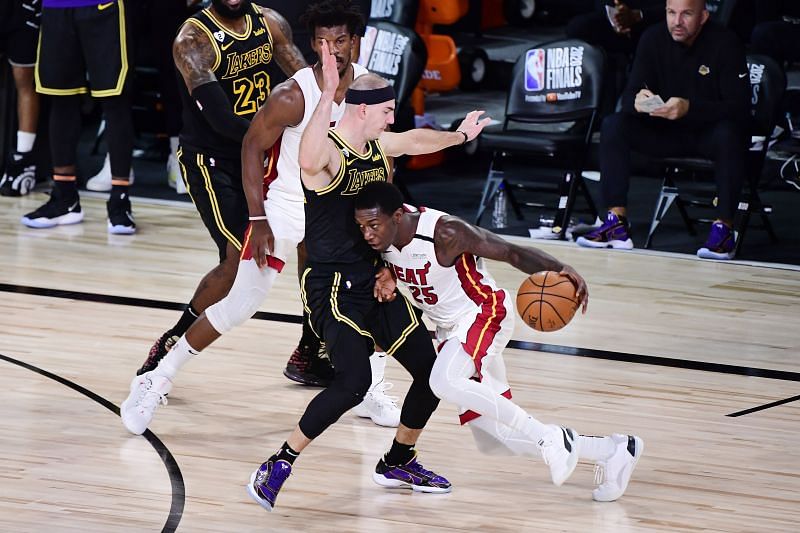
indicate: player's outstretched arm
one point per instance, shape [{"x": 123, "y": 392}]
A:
[
  {"x": 453, "y": 237},
  {"x": 286, "y": 52},
  {"x": 319, "y": 159},
  {"x": 427, "y": 141},
  {"x": 195, "y": 58},
  {"x": 284, "y": 107}
]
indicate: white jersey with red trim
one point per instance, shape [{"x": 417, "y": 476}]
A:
[
  {"x": 447, "y": 294},
  {"x": 286, "y": 184}
]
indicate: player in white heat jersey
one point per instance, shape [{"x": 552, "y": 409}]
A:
[
  {"x": 277, "y": 223},
  {"x": 439, "y": 258}
]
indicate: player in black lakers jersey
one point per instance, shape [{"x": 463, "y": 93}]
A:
[
  {"x": 338, "y": 285},
  {"x": 228, "y": 55}
]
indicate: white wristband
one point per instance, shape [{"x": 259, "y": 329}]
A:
[{"x": 261, "y": 217}]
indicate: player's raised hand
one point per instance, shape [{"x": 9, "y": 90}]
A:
[
  {"x": 330, "y": 74},
  {"x": 581, "y": 290},
  {"x": 473, "y": 124}
]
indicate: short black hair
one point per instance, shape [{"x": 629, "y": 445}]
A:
[
  {"x": 385, "y": 196},
  {"x": 330, "y": 13}
]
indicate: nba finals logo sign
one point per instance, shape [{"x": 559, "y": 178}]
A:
[
  {"x": 555, "y": 73},
  {"x": 534, "y": 70}
]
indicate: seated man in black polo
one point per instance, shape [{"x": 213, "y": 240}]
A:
[{"x": 700, "y": 72}]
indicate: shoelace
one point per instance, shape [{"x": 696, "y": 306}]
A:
[
  {"x": 379, "y": 395},
  {"x": 417, "y": 468},
  {"x": 599, "y": 473},
  {"x": 151, "y": 399}
]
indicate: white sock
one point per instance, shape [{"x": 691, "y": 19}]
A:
[
  {"x": 178, "y": 356},
  {"x": 173, "y": 145},
  {"x": 596, "y": 448},
  {"x": 25, "y": 141},
  {"x": 378, "y": 363}
]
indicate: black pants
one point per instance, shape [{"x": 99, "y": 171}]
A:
[
  {"x": 724, "y": 142},
  {"x": 345, "y": 315}
]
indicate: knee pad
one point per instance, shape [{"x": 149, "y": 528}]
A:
[{"x": 245, "y": 297}]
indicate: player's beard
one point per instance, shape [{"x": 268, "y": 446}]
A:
[{"x": 225, "y": 11}]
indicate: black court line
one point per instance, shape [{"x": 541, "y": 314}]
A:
[
  {"x": 520, "y": 345},
  {"x": 125, "y": 300},
  {"x": 175, "y": 476},
  {"x": 765, "y": 406}
]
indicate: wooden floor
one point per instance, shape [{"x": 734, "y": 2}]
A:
[{"x": 685, "y": 331}]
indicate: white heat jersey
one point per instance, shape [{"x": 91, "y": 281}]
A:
[
  {"x": 287, "y": 186},
  {"x": 447, "y": 295}
]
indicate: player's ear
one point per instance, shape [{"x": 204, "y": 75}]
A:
[{"x": 397, "y": 215}]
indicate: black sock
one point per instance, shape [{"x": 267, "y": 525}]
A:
[
  {"x": 286, "y": 453},
  {"x": 308, "y": 338},
  {"x": 399, "y": 454},
  {"x": 68, "y": 190},
  {"x": 119, "y": 192},
  {"x": 187, "y": 318}
]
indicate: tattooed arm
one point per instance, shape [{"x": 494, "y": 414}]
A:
[
  {"x": 196, "y": 57},
  {"x": 287, "y": 54}
]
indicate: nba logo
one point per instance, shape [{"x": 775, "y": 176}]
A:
[
  {"x": 367, "y": 43},
  {"x": 534, "y": 70}
]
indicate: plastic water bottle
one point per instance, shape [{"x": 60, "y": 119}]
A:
[{"x": 499, "y": 219}]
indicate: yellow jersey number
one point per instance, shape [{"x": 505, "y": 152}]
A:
[{"x": 250, "y": 93}]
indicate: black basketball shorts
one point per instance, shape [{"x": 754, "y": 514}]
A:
[
  {"x": 215, "y": 185},
  {"x": 83, "y": 49},
  {"x": 340, "y": 296}
]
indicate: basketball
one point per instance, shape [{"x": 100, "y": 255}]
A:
[{"x": 546, "y": 301}]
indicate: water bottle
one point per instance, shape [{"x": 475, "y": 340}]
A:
[{"x": 499, "y": 219}]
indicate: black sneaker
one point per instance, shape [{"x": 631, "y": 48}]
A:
[
  {"x": 57, "y": 211},
  {"x": 120, "y": 218},
  {"x": 310, "y": 365},
  {"x": 157, "y": 352},
  {"x": 20, "y": 175}
]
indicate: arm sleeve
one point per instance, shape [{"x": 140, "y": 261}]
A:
[
  {"x": 216, "y": 108},
  {"x": 734, "y": 87}
]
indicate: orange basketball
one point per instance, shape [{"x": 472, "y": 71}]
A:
[{"x": 546, "y": 301}]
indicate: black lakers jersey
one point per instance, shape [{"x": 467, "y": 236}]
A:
[
  {"x": 332, "y": 235},
  {"x": 245, "y": 69}
]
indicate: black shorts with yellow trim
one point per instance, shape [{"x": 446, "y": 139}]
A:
[
  {"x": 83, "y": 49},
  {"x": 339, "y": 297},
  {"x": 215, "y": 186}
]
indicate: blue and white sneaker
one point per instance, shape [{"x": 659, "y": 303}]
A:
[
  {"x": 614, "y": 233},
  {"x": 560, "y": 450},
  {"x": 266, "y": 482},
  {"x": 721, "y": 243},
  {"x": 411, "y": 475}
]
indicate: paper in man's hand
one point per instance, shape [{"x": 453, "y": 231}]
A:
[{"x": 648, "y": 105}]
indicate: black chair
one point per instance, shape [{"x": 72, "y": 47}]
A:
[
  {"x": 721, "y": 11},
  {"x": 556, "y": 82},
  {"x": 769, "y": 84}
]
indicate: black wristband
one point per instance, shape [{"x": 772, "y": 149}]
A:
[{"x": 466, "y": 137}]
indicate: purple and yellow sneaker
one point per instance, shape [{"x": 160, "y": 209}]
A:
[
  {"x": 411, "y": 475},
  {"x": 614, "y": 233},
  {"x": 266, "y": 482},
  {"x": 721, "y": 243}
]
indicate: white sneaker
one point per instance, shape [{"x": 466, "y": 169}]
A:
[
  {"x": 174, "y": 178},
  {"x": 560, "y": 450},
  {"x": 612, "y": 475},
  {"x": 382, "y": 409},
  {"x": 101, "y": 182},
  {"x": 148, "y": 391}
]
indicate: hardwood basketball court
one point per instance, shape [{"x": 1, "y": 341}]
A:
[{"x": 687, "y": 354}]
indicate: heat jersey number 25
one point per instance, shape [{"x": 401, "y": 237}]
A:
[{"x": 250, "y": 93}]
